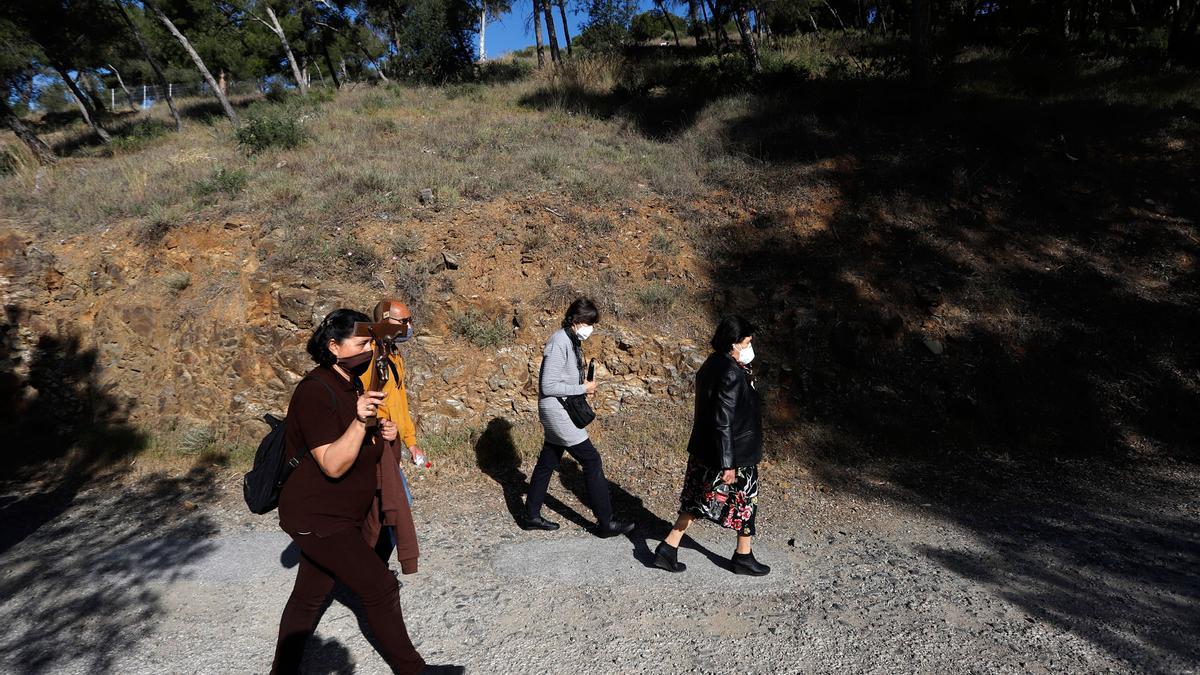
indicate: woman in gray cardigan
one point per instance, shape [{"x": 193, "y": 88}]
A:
[{"x": 562, "y": 376}]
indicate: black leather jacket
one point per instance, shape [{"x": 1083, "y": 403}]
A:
[{"x": 727, "y": 428}]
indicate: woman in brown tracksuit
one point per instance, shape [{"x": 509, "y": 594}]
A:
[{"x": 331, "y": 505}]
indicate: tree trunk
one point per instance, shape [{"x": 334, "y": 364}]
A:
[
  {"x": 158, "y": 73},
  {"x": 693, "y": 28},
  {"x": 839, "y": 18},
  {"x": 749, "y": 48},
  {"x": 562, "y": 12},
  {"x": 1183, "y": 25},
  {"x": 919, "y": 63},
  {"x": 39, "y": 149},
  {"x": 121, "y": 83},
  {"x": 670, "y": 20},
  {"x": 551, "y": 33},
  {"x": 482, "y": 33},
  {"x": 337, "y": 82},
  {"x": 287, "y": 50},
  {"x": 537, "y": 33},
  {"x": 88, "y": 81},
  {"x": 718, "y": 29},
  {"x": 708, "y": 34},
  {"x": 187, "y": 47},
  {"x": 85, "y": 108}
]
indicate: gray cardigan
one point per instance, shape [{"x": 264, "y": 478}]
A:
[{"x": 560, "y": 377}]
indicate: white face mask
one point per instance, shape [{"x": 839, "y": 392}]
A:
[
  {"x": 583, "y": 332},
  {"x": 746, "y": 355}
]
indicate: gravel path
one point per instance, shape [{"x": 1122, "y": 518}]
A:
[{"x": 166, "y": 574}]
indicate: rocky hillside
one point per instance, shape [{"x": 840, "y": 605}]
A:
[
  {"x": 973, "y": 273},
  {"x": 195, "y": 337}
]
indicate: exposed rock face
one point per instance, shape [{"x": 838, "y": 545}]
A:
[{"x": 192, "y": 332}]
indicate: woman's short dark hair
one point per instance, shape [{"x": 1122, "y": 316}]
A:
[
  {"x": 337, "y": 326},
  {"x": 732, "y": 330},
  {"x": 583, "y": 311}
]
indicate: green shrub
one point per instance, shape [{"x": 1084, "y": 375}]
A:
[
  {"x": 499, "y": 72},
  {"x": 321, "y": 95},
  {"x": 353, "y": 254},
  {"x": 548, "y": 164},
  {"x": 272, "y": 127},
  {"x": 663, "y": 245},
  {"x": 595, "y": 226},
  {"x": 375, "y": 100},
  {"x": 10, "y": 163},
  {"x": 196, "y": 440},
  {"x": 221, "y": 180},
  {"x": 479, "y": 330},
  {"x": 658, "y": 297},
  {"x": 534, "y": 238},
  {"x": 178, "y": 281},
  {"x": 406, "y": 243},
  {"x": 137, "y": 135},
  {"x": 411, "y": 281}
]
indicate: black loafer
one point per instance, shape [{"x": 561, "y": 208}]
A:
[
  {"x": 744, "y": 563},
  {"x": 538, "y": 523},
  {"x": 666, "y": 557},
  {"x": 613, "y": 528}
]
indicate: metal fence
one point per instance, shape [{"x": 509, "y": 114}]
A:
[{"x": 146, "y": 95}]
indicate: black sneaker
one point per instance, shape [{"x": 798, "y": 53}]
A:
[
  {"x": 666, "y": 557},
  {"x": 538, "y": 523},
  {"x": 744, "y": 563}
]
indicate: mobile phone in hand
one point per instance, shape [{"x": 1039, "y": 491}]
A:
[{"x": 591, "y": 370}]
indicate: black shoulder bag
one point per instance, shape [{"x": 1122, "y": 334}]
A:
[
  {"x": 577, "y": 406},
  {"x": 578, "y": 409}
]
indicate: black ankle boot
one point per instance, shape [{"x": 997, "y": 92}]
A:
[
  {"x": 744, "y": 563},
  {"x": 666, "y": 557}
]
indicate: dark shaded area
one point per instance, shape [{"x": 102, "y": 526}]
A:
[
  {"x": 330, "y": 657},
  {"x": 128, "y": 131},
  {"x": 988, "y": 303},
  {"x": 62, "y": 423},
  {"x": 81, "y": 546},
  {"x": 496, "y": 455},
  {"x": 986, "y": 298},
  {"x": 80, "y": 586},
  {"x": 649, "y": 528},
  {"x": 663, "y": 91}
]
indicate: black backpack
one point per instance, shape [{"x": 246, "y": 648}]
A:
[{"x": 262, "y": 485}]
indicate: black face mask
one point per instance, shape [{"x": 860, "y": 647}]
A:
[{"x": 356, "y": 365}]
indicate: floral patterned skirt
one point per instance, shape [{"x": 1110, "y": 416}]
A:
[{"x": 734, "y": 506}]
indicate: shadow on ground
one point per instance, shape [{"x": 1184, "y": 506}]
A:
[
  {"x": 982, "y": 301},
  {"x": 987, "y": 308},
  {"x": 497, "y": 456},
  {"x": 82, "y": 546}
]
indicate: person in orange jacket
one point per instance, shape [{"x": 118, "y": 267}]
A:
[{"x": 395, "y": 398}]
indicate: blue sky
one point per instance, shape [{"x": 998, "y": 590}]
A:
[{"x": 509, "y": 32}]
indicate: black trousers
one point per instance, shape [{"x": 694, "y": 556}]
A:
[
  {"x": 593, "y": 473},
  {"x": 344, "y": 556}
]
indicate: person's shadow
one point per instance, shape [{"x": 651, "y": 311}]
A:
[
  {"x": 649, "y": 527},
  {"x": 496, "y": 455}
]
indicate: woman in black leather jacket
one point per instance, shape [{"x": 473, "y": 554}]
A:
[{"x": 721, "y": 482}]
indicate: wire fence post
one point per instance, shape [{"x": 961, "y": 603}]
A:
[
  {"x": 170, "y": 89},
  {"x": 112, "y": 99},
  {"x": 143, "y": 96}
]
